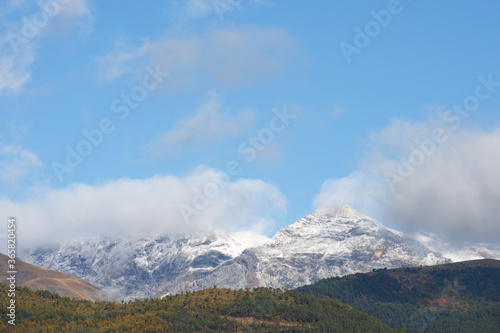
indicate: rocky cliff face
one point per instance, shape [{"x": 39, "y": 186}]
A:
[{"x": 331, "y": 241}]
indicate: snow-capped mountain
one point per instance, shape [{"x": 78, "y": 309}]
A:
[
  {"x": 331, "y": 241},
  {"x": 143, "y": 266}
]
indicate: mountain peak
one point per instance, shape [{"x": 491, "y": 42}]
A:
[{"x": 337, "y": 212}]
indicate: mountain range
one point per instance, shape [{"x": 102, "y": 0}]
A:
[
  {"x": 332, "y": 241},
  {"x": 456, "y": 297}
]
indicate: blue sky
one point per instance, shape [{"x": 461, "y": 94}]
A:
[{"x": 172, "y": 93}]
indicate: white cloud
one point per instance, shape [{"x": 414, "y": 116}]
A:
[
  {"x": 226, "y": 57},
  {"x": 76, "y": 13},
  {"x": 452, "y": 187},
  {"x": 210, "y": 122},
  {"x": 118, "y": 62},
  {"x": 144, "y": 205},
  {"x": 22, "y": 36},
  {"x": 15, "y": 69},
  {"x": 76, "y": 9},
  {"x": 202, "y": 8},
  {"x": 15, "y": 163},
  {"x": 358, "y": 190}
]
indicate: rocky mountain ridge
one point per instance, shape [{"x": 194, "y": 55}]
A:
[{"x": 332, "y": 241}]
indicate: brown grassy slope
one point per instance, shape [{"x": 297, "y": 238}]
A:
[{"x": 56, "y": 282}]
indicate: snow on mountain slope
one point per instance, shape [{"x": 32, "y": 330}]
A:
[
  {"x": 328, "y": 231},
  {"x": 332, "y": 241},
  {"x": 137, "y": 267}
]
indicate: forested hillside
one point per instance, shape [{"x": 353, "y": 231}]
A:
[
  {"x": 458, "y": 297},
  {"x": 211, "y": 310}
]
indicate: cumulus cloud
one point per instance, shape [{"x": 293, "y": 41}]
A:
[
  {"x": 15, "y": 163},
  {"x": 209, "y": 123},
  {"x": 360, "y": 190},
  {"x": 25, "y": 26},
  {"x": 427, "y": 177},
  {"x": 204, "y": 199},
  {"x": 226, "y": 57}
]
